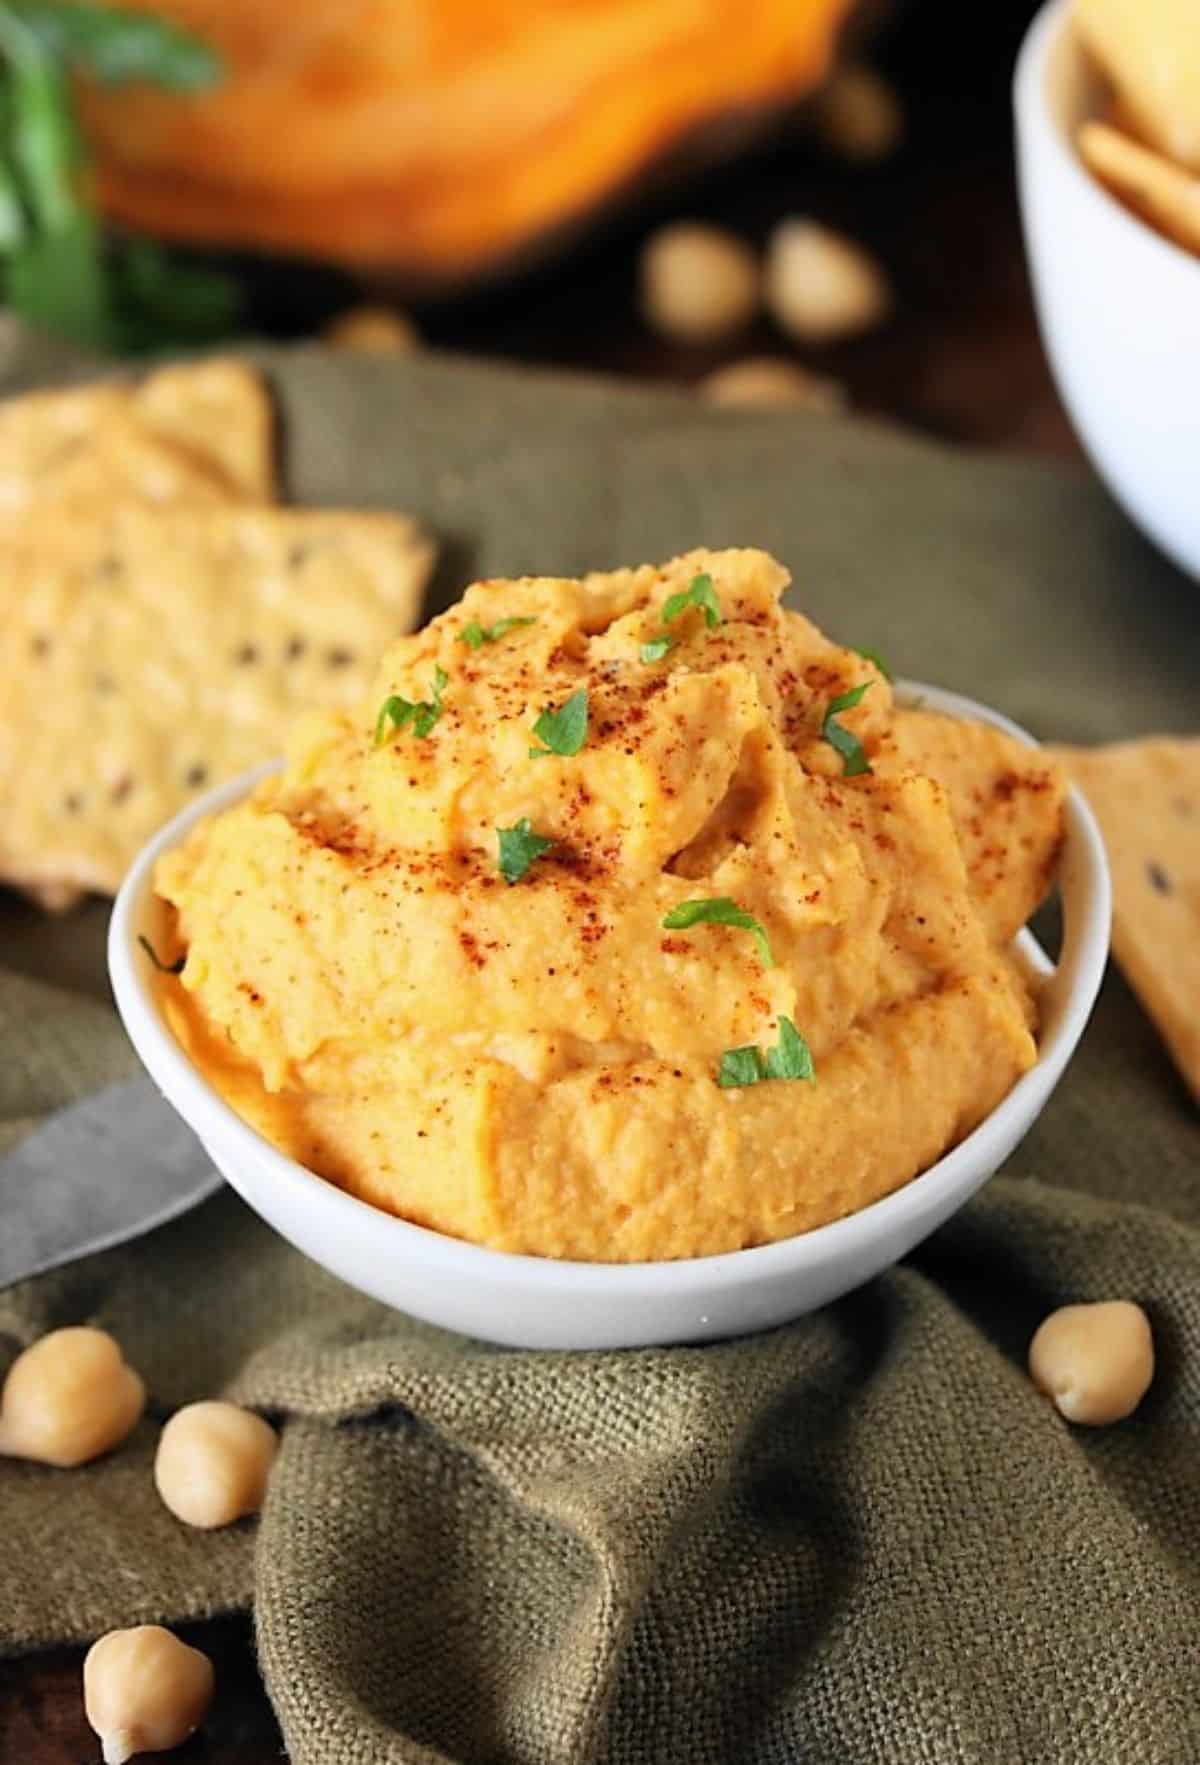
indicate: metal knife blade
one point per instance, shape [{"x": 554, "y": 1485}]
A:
[{"x": 96, "y": 1174}]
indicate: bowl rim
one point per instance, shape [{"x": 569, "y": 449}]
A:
[
  {"x": 1052, "y": 28},
  {"x": 210, "y": 1116}
]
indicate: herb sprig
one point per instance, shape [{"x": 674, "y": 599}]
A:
[
  {"x": 843, "y": 740},
  {"x": 562, "y": 731},
  {"x": 700, "y": 592},
  {"x": 519, "y": 847},
  {"x": 720, "y": 910},
  {"x": 422, "y": 713},
  {"x": 58, "y": 270},
  {"x": 476, "y": 635},
  {"x": 791, "y": 1058}
]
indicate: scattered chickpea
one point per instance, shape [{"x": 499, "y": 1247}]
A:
[
  {"x": 820, "y": 286},
  {"x": 373, "y": 330},
  {"x": 1095, "y": 1362},
  {"x": 858, "y": 115},
  {"x": 213, "y": 1462},
  {"x": 68, "y": 1398},
  {"x": 144, "y": 1691},
  {"x": 767, "y": 380},
  {"x": 698, "y": 283}
]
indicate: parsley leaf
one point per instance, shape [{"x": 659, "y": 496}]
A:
[
  {"x": 843, "y": 740},
  {"x": 720, "y": 910},
  {"x": 175, "y": 967},
  {"x": 791, "y": 1058},
  {"x": 519, "y": 846},
  {"x": 563, "y": 731},
  {"x": 422, "y": 714},
  {"x": 739, "y": 1066},
  {"x": 656, "y": 649},
  {"x": 700, "y": 592},
  {"x": 475, "y": 635},
  {"x": 874, "y": 657}
]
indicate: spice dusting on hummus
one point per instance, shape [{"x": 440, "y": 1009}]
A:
[{"x": 630, "y": 919}]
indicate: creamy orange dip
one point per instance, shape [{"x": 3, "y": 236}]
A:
[{"x": 528, "y": 1056}]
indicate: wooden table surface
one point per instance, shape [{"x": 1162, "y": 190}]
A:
[{"x": 961, "y": 359}]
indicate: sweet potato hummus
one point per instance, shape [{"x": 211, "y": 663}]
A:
[{"x": 621, "y": 924}]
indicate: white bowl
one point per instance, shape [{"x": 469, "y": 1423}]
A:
[
  {"x": 534, "y": 1302},
  {"x": 1118, "y": 304}
]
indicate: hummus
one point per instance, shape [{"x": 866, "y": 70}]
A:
[{"x": 621, "y": 924}]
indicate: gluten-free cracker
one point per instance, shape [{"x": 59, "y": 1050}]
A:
[
  {"x": 1146, "y": 795},
  {"x": 196, "y": 432},
  {"x": 150, "y": 655}
]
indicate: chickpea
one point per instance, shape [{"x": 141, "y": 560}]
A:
[
  {"x": 858, "y": 115},
  {"x": 766, "y": 380},
  {"x": 698, "y": 283},
  {"x": 1095, "y": 1362},
  {"x": 820, "y": 286},
  {"x": 213, "y": 1462},
  {"x": 373, "y": 330},
  {"x": 68, "y": 1398},
  {"x": 144, "y": 1691}
]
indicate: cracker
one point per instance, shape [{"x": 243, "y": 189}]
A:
[
  {"x": 146, "y": 657},
  {"x": 1146, "y": 795},
  {"x": 199, "y": 432},
  {"x": 1007, "y": 803}
]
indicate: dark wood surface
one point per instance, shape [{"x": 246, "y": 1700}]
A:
[{"x": 961, "y": 359}]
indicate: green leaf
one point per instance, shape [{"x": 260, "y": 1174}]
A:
[
  {"x": 519, "y": 846},
  {"x": 656, "y": 649},
  {"x": 422, "y": 714},
  {"x": 720, "y": 910},
  {"x": 57, "y": 281},
  {"x": 563, "y": 731},
  {"x": 699, "y": 593},
  {"x": 12, "y": 216},
  {"x": 739, "y": 1066},
  {"x": 43, "y": 139},
  {"x": 792, "y": 1057},
  {"x": 116, "y": 46},
  {"x": 876, "y": 660},
  {"x": 160, "y": 301},
  {"x": 175, "y": 967},
  {"x": 475, "y": 634},
  {"x": 843, "y": 740}
]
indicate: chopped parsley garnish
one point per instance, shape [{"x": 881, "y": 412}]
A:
[
  {"x": 563, "y": 731},
  {"x": 843, "y": 740},
  {"x": 175, "y": 967},
  {"x": 877, "y": 660},
  {"x": 790, "y": 1058},
  {"x": 720, "y": 910},
  {"x": 700, "y": 592},
  {"x": 519, "y": 846},
  {"x": 422, "y": 714},
  {"x": 740, "y": 1066},
  {"x": 475, "y": 635}
]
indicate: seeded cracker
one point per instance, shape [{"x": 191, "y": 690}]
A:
[
  {"x": 148, "y": 656},
  {"x": 1146, "y": 795},
  {"x": 200, "y": 432}
]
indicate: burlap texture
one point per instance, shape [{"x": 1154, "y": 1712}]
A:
[{"x": 862, "y": 1538}]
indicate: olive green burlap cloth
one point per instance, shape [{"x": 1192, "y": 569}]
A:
[{"x": 861, "y": 1538}]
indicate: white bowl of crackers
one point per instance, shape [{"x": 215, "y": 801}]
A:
[
  {"x": 541, "y": 1302},
  {"x": 1107, "y": 99}
]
